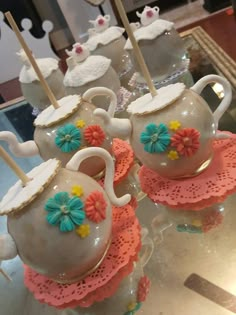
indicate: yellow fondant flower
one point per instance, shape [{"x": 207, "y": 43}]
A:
[
  {"x": 83, "y": 230},
  {"x": 174, "y": 125},
  {"x": 80, "y": 123},
  {"x": 131, "y": 306},
  {"x": 173, "y": 155},
  {"x": 197, "y": 222},
  {"x": 77, "y": 190}
]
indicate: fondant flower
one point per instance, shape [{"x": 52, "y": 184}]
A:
[
  {"x": 174, "y": 125},
  {"x": 68, "y": 138},
  {"x": 149, "y": 13},
  {"x": 94, "y": 135},
  {"x": 155, "y": 138},
  {"x": 65, "y": 211},
  {"x": 211, "y": 220},
  {"x": 133, "y": 307},
  {"x": 77, "y": 190},
  {"x": 78, "y": 49},
  {"x": 173, "y": 155},
  {"x": 189, "y": 228},
  {"x": 80, "y": 123},
  {"x": 83, "y": 230},
  {"x": 95, "y": 207},
  {"x": 101, "y": 21},
  {"x": 186, "y": 141},
  {"x": 143, "y": 288}
]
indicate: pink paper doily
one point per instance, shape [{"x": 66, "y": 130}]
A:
[
  {"x": 212, "y": 186},
  {"x": 125, "y": 245},
  {"x": 124, "y": 159}
]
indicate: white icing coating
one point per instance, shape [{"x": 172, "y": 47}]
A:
[
  {"x": 7, "y": 247},
  {"x": 93, "y": 68},
  {"x": 104, "y": 38},
  {"x": 150, "y": 31},
  {"x": 46, "y": 66},
  {"x": 18, "y": 196},
  {"x": 148, "y": 104},
  {"x": 50, "y": 115}
]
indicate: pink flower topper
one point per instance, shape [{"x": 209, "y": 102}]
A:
[
  {"x": 78, "y": 49},
  {"x": 101, "y": 21},
  {"x": 186, "y": 141},
  {"x": 94, "y": 135},
  {"x": 149, "y": 13}
]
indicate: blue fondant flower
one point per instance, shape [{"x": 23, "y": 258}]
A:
[
  {"x": 155, "y": 138},
  {"x": 68, "y": 138},
  {"x": 65, "y": 211},
  {"x": 133, "y": 308}
]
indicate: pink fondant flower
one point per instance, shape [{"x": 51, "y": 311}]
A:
[
  {"x": 149, "y": 13},
  {"x": 95, "y": 207},
  {"x": 101, "y": 21},
  {"x": 186, "y": 141},
  {"x": 143, "y": 288},
  {"x": 78, "y": 49},
  {"x": 211, "y": 220},
  {"x": 94, "y": 135}
]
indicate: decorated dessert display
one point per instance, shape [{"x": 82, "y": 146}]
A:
[
  {"x": 61, "y": 208},
  {"x": 108, "y": 41},
  {"x": 161, "y": 46},
  {"x": 85, "y": 71},
  {"x": 30, "y": 84},
  {"x": 172, "y": 133}
]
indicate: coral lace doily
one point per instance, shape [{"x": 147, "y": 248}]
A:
[
  {"x": 124, "y": 159},
  {"x": 212, "y": 186},
  {"x": 103, "y": 282}
]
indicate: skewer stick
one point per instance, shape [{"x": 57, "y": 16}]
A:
[
  {"x": 5, "y": 275},
  {"x": 12, "y": 164},
  {"x": 136, "y": 48},
  {"x": 32, "y": 60}
]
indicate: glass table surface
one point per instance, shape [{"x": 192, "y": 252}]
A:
[{"x": 191, "y": 274}]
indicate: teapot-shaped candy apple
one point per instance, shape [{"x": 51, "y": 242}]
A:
[
  {"x": 85, "y": 71},
  {"x": 60, "y": 221},
  {"x": 172, "y": 133},
  {"x": 61, "y": 132},
  {"x": 109, "y": 42},
  {"x": 161, "y": 45},
  {"x": 30, "y": 84}
]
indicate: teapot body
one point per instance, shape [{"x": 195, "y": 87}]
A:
[
  {"x": 64, "y": 256},
  {"x": 163, "y": 55},
  {"x": 175, "y": 141},
  {"x": 109, "y": 80},
  {"x": 47, "y": 138},
  {"x": 35, "y": 95}
]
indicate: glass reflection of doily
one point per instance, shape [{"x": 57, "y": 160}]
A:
[
  {"x": 125, "y": 245},
  {"x": 212, "y": 186},
  {"x": 158, "y": 84},
  {"x": 124, "y": 159},
  {"x": 123, "y": 97}
]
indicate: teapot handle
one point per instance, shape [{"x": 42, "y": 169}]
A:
[
  {"x": 203, "y": 82},
  {"x": 81, "y": 155},
  {"x": 102, "y": 91}
]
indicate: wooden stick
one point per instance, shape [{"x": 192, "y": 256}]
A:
[
  {"x": 12, "y": 164},
  {"x": 136, "y": 48},
  {"x": 32, "y": 60},
  {"x": 5, "y": 275}
]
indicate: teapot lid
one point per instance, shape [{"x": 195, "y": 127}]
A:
[
  {"x": 103, "y": 38},
  {"x": 19, "y": 196},
  {"x": 150, "y": 32},
  {"x": 147, "y": 104},
  {"x": 91, "y": 69},
  {"x": 50, "y": 116},
  {"x": 27, "y": 73}
]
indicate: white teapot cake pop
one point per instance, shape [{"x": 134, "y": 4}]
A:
[
  {"x": 172, "y": 132},
  {"x": 85, "y": 71},
  {"x": 161, "y": 45},
  {"x": 61, "y": 132},
  {"x": 60, "y": 222},
  {"x": 108, "y": 41},
  {"x": 30, "y": 84}
]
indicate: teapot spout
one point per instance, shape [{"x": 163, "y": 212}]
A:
[
  {"x": 81, "y": 155},
  {"x": 7, "y": 247},
  {"x": 28, "y": 148},
  {"x": 116, "y": 127}
]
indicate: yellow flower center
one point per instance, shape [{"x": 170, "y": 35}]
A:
[{"x": 131, "y": 306}]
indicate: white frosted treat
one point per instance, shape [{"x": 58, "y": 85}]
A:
[
  {"x": 27, "y": 73},
  {"x": 148, "y": 104},
  {"x": 150, "y": 31},
  {"x": 91, "y": 69}
]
